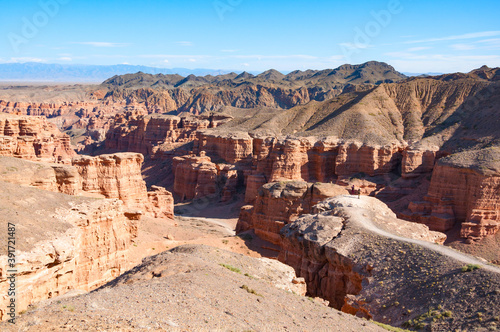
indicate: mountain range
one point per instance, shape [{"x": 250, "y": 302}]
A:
[{"x": 42, "y": 72}]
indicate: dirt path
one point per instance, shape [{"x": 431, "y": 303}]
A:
[
  {"x": 224, "y": 223},
  {"x": 357, "y": 215}
]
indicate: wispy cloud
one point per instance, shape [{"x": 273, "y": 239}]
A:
[
  {"x": 261, "y": 57},
  {"x": 361, "y": 46},
  {"x": 65, "y": 58},
  {"x": 25, "y": 59},
  {"x": 458, "y": 37},
  {"x": 229, "y": 51},
  {"x": 184, "y": 43},
  {"x": 102, "y": 44},
  {"x": 463, "y": 47}
]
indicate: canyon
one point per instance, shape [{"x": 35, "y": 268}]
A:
[{"x": 358, "y": 178}]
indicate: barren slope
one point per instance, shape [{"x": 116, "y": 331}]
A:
[{"x": 187, "y": 288}]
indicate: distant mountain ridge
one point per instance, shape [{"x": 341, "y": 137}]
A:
[
  {"x": 33, "y": 71},
  {"x": 372, "y": 72}
]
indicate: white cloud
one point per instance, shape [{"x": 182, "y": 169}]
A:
[
  {"x": 192, "y": 60},
  {"x": 245, "y": 64},
  {"x": 463, "y": 47},
  {"x": 229, "y": 51},
  {"x": 458, "y": 37},
  {"x": 166, "y": 61},
  {"x": 102, "y": 44},
  {"x": 25, "y": 59},
  {"x": 184, "y": 43},
  {"x": 65, "y": 58},
  {"x": 444, "y": 63}
]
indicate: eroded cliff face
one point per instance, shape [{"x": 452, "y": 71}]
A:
[
  {"x": 147, "y": 134},
  {"x": 357, "y": 255},
  {"x": 463, "y": 195},
  {"x": 119, "y": 176},
  {"x": 52, "y": 177},
  {"x": 107, "y": 176},
  {"x": 198, "y": 177},
  {"x": 81, "y": 244},
  {"x": 33, "y": 138},
  {"x": 269, "y": 159},
  {"x": 281, "y": 203},
  {"x": 113, "y": 176}
]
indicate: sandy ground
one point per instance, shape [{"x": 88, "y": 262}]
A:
[{"x": 199, "y": 226}]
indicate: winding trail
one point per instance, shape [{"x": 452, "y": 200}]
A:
[{"x": 353, "y": 206}]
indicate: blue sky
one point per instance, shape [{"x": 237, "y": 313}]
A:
[{"x": 253, "y": 35}]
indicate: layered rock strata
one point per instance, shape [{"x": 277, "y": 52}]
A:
[
  {"x": 198, "y": 177},
  {"x": 281, "y": 203},
  {"x": 107, "y": 176},
  {"x": 460, "y": 194},
  {"x": 358, "y": 256},
  {"x": 76, "y": 244},
  {"x": 33, "y": 138},
  {"x": 119, "y": 176}
]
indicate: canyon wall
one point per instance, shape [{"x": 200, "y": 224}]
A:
[
  {"x": 280, "y": 203},
  {"x": 92, "y": 251},
  {"x": 324, "y": 248},
  {"x": 270, "y": 159},
  {"x": 106, "y": 176},
  {"x": 460, "y": 194},
  {"x": 146, "y": 134},
  {"x": 198, "y": 177},
  {"x": 119, "y": 176},
  {"x": 33, "y": 138}
]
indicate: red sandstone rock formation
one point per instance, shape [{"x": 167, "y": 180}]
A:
[
  {"x": 33, "y": 138},
  {"x": 161, "y": 203},
  {"x": 460, "y": 194},
  {"x": 51, "y": 177},
  {"x": 147, "y": 134},
  {"x": 113, "y": 176},
  {"x": 119, "y": 176},
  {"x": 319, "y": 247},
  {"x": 232, "y": 148},
  {"x": 91, "y": 252},
  {"x": 195, "y": 177},
  {"x": 280, "y": 203},
  {"x": 417, "y": 162}
]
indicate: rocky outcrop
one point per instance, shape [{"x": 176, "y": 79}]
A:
[
  {"x": 113, "y": 176},
  {"x": 460, "y": 194},
  {"x": 232, "y": 148},
  {"x": 81, "y": 245},
  {"x": 149, "y": 134},
  {"x": 357, "y": 158},
  {"x": 281, "y": 203},
  {"x": 52, "y": 177},
  {"x": 33, "y": 138},
  {"x": 48, "y": 110},
  {"x": 417, "y": 162},
  {"x": 161, "y": 203},
  {"x": 324, "y": 248},
  {"x": 119, "y": 176},
  {"x": 195, "y": 177}
]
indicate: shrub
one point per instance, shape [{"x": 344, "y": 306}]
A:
[
  {"x": 249, "y": 290},
  {"x": 231, "y": 268},
  {"x": 470, "y": 267}
]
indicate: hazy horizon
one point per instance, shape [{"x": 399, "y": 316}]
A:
[{"x": 238, "y": 35}]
